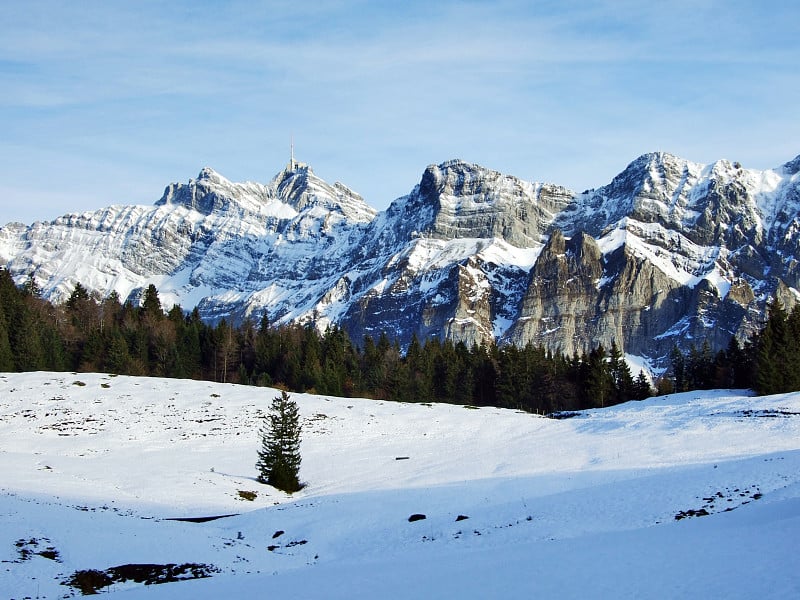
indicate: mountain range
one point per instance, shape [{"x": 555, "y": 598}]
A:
[{"x": 669, "y": 252}]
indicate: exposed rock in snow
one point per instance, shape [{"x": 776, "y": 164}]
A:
[{"x": 669, "y": 251}]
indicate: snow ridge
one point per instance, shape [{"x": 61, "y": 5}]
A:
[{"x": 306, "y": 251}]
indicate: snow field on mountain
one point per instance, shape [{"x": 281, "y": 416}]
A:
[
  {"x": 92, "y": 465},
  {"x": 303, "y": 251}
]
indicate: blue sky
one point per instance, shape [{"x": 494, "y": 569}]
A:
[{"x": 107, "y": 102}]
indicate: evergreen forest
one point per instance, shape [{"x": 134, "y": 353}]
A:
[{"x": 92, "y": 334}]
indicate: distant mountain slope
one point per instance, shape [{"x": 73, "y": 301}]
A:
[{"x": 669, "y": 252}]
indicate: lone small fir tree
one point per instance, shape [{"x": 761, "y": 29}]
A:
[{"x": 279, "y": 457}]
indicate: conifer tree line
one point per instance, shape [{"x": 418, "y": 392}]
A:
[
  {"x": 769, "y": 363},
  {"x": 89, "y": 333}
]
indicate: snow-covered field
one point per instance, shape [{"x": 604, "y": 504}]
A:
[{"x": 608, "y": 504}]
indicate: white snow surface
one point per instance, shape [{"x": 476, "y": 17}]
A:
[{"x": 92, "y": 465}]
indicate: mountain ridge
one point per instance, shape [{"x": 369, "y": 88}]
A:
[{"x": 670, "y": 251}]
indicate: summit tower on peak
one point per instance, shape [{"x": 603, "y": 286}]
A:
[{"x": 294, "y": 165}]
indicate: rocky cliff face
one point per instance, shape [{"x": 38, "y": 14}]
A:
[
  {"x": 471, "y": 202},
  {"x": 688, "y": 253},
  {"x": 669, "y": 252},
  {"x": 451, "y": 258}
]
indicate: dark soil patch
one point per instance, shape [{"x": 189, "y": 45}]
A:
[
  {"x": 733, "y": 498},
  {"x": 292, "y": 544},
  {"x": 91, "y": 581},
  {"x": 50, "y": 554},
  {"x": 768, "y": 413},
  {"x": 692, "y": 513},
  {"x": 30, "y": 548}
]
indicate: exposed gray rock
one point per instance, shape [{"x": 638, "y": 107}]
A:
[
  {"x": 669, "y": 252},
  {"x": 469, "y": 201}
]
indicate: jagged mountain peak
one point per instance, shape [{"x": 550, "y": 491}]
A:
[
  {"x": 210, "y": 175},
  {"x": 470, "y": 253},
  {"x": 211, "y": 192},
  {"x": 641, "y": 172},
  {"x": 657, "y": 187},
  {"x": 792, "y": 167},
  {"x": 649, "y": 172},
  {"x": 302, "y": 189},
  {"x": 651, "y": 160},
  {"x": 456, "y": 176},
  {"x": 465, "y": 200},
  {"x": 463, "y": 179},
  {"x": 294, "y": 190}
]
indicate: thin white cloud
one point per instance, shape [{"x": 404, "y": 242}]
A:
[{"x": 561, "y": 91}]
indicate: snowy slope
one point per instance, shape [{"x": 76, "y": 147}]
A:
[
  {"x": 210, "y": 243},
  {"x": 696, "y": 221},
  {"x": 92, "y": 465},
  {"x": 686, "y": 253}
]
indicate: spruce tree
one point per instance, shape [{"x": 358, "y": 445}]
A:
[
  {"x": 6, "y": 356},
  {"x": 641, "y": 387},
  {"x": 279, "y": 457},
  {"x": 770, "y": 359},
  {"x": 678, "y": 369},
  {"x": 151, "y": 305},
  {"x": 792, "y": 352},
  {"x": 621, "y": 374},
  {"x": 599, "y": 383}
]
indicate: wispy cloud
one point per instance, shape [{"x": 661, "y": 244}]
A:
[{"x": 563, "y": 91}]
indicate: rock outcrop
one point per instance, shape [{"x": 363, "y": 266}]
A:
[{"x": 669, "y": 252}]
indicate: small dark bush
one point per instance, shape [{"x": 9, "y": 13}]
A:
[
  {"x": 51, "y": 554},
  {"x": 564, "y": 414},
  {"x": 89, "y": 581}
]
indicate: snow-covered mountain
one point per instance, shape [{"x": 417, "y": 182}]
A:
[
  {"x": 670, "y": 251},
  {"x": 689, "y": 495}
]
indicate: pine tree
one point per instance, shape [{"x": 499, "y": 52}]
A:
[
  {"x": 79, "y": 294},
  {"x": 641, "y": 387},
  {"x": 739, "y": 363},
  {"x": 678, "y": 369},
  {"x": 599, "y": 383},
  {"x": 151, "y": 305},
  {"x": 117, "y": 357},
  {"x": 621, "y": 374},
  {"x": 279, "y": 458},
  {"x": 792, "y": 351},
  {"x": 770, "y": 359},
  {"x": 6, "y": 356}
]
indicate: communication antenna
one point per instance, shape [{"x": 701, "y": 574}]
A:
[{"x": 291, "y": 161}]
